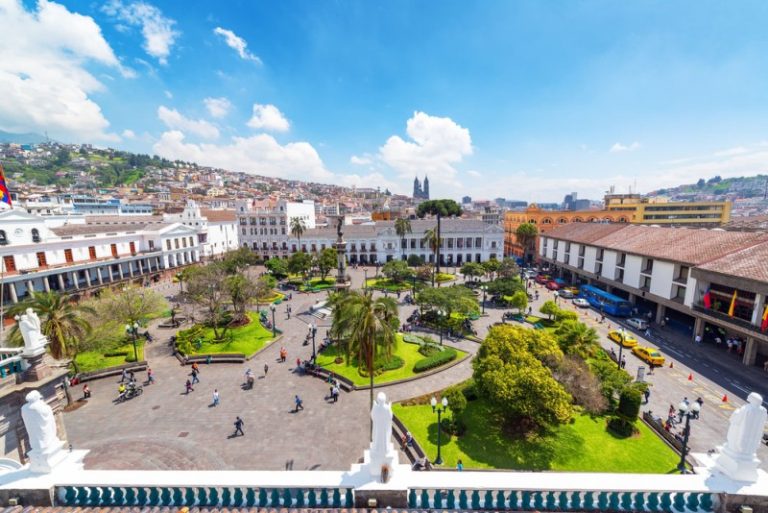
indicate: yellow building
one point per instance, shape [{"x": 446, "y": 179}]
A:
[{"x": 619, "y": 208}]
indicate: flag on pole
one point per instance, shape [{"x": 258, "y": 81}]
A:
[
  {"x": 733, "y": 305},
  {"x": 764, "y": 324},
  {"x": 707, "y": 299},
  {"x": 5, "y": 196}
]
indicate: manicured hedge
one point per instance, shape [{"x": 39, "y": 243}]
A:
[{"x": 447, "y": 355}]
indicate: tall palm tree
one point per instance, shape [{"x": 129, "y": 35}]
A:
[
  {"x": 526, "y": 236},
  {"x": 365, "y": 327},
  {"x": 402, "y": 228},
  {"x": 61, "y": 321},
  {"x": 432, "y": 239},
  {"x": 298, "y": 226}
]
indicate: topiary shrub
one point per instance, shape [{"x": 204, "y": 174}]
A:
[
  {"x": 630, "y": 402},
  {"x": 456, "y": 400},
  {"x": 428, "y": 350},
  {"x": 622, "y": 427},
  {"x": 446, "y": 355}
]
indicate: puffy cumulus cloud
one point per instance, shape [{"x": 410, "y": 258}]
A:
[
  {"x": 268, "y": 117},
  {"x": 370, "y": 180},
  {"x": 619, "y": 147},
  {"x": 364, "y": 160},
  {"x": 217, "y": 107},
  {"x": 436, "y": 145},
  {"x": 129, "y": 134},
  {"x": 44, "y": 84},
  {"x": 174, "y": 119},
  {"x": 259, "y": 154},
  {"x": 237, "y": 43},
  {"x": 157, "y": 30}
]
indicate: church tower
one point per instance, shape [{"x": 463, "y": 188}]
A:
[
  {"x": 426, "y": 187},
  {"x": 416, "y": 188}
]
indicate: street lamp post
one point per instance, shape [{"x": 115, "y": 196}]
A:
[
  {"x": 313, "y": 332},
  {"x": 688, "y": 412},
  {"x": 484, "y": 288},
  {"x": 440, "y": 314},
  {"x": 439, "y": 411},
  {"x": 274, "y": 327},
  {"x": 621, "y": 348},
  {"x": 413, "y": 280},
  {"x": 365, "y": 280},
  {"x": 133, "y": 330}
]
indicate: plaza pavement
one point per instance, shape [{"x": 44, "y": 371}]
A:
[{"x": 166, "y": 429}]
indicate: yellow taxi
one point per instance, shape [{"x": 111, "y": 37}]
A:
[
  {"x": 648, "y": 355},
  {"x": 617, "y": 336},
  {"x": 573, "y": 290}
]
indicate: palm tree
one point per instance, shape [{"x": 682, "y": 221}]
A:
[
  {"x": 526, "y": 236},
  {"x": 577, "y": 338},
  {"x": 402, "y": 228},
  {"x": 365, "y": 328},
  {"x": 432, "y": 239},
  {"x": 438, "y": 208},
  {"x": 61, "y": 321},
  {"x": 298, "y": 226}
]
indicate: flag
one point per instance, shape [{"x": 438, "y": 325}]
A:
[
  {"x": 733, "y": 305},
  {"x": 764, "y": 324},
  {"x": 707, "y": 299},
  {"x": 5, "y": 196}
]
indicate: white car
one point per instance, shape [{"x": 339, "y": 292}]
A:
[
  {"x": 581, "y": 302},
  {"x": 639, "y": 324}
]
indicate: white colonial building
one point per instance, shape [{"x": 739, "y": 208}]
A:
[
  {"x": 668, "y": 272},
  {"x": 216, "y": 229},
  {"x": 68, "y": 255},
  {"x": 265, "y": 224}
]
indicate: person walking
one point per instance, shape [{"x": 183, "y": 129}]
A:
[
  {"x": 188, "y": 387},
  {"x": 647, "y": 394},
  {"x": 215, "y": 397},
  {"x": 335, "y": 393},
  {"x": 150, "y": 376},
  {"x": 459, "y": 466},
  {"x": 623, "y": 361},
  {"x": 299, "y": 403},
  {"x": 266, "y": 370},
  {"x": 195, "y": 367},
  {"x": 239, "y": 427},
  {"x": 124, "y": 376},
  {"x": 195, "y": 379},
  {"x": 701, "y": 403}
]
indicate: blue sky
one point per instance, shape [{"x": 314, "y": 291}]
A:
[{"x": 522, "y": 100}]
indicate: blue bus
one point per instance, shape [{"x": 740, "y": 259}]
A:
[{"x": 605, "y": 302}]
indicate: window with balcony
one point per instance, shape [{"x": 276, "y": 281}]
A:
[
  {"x": 647, "y": 265},
  {"x": 619, "y": 276},
  {"x": 3, "y": 238},
  {"x": 645, "y": 283},
  {"x": 41, "y": 260},
  {"x": 682, "y": 274},
  {"x": 600, "y": 253},
  {"x": 35, "y": 235},
  {"x": 599, "y": 268},
  {"x": 582, "y": 249},
  {"x": 10, "y": 263},
  {"x": 567, "y": 247},
  {"x": 555, "y": 245},
  {"x": 678, "y": 293},
  {"x": 580, "y": 263},
  {"x": 468, "y": 242},
  {"x": 450, "y": 243},
  {"x": 621, "y": 260},
  {"x": 478, "y": 242}
]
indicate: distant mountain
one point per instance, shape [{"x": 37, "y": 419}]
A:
[
  {"x": 719, "y": 188},
  {"x": 8, "y": 137}
]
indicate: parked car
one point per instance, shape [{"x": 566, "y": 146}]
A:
[
  {"x": 553, "y": 285},
  {"x": 648, "y": 355},
  {"x": 637, "y": 323},
  {"x": 573, "y": 290},
  {"x": 581, "y": 302},
  {"x": 622, "y": 338},
  {"x": 541, "y": 279},
  {"x": 565, "y": 293}
]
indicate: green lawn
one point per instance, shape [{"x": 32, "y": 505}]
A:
[
  {"x": 584, "y": 446},
  {"x": 274, "y": 296},
  {"x": 391, "y": 286},
  {"x": 246, "y": 339},
  {"x": 94, "y": 360},
  {"x": 315, "y": 284},
  {"x": 443, "y": 277},
  {"x": 408, "y": 352}
]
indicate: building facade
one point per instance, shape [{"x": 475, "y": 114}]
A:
[
  {"x": 619, "y": 208},
  {"x": 217, "y": 230},
  {"x": 43, "y": 254},
  {"x": 687, "y": 278},
  {"x": 265, "y": 225}
]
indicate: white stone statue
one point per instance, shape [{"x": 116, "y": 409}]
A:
[
  {"x": 34, "y": 340},
  {"x": 737, "y": 458},
  {"x": 381, "y": 413},
  {"x": 47, "y": 450}
]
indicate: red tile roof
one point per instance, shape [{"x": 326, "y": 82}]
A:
[
  {"x": 218, "y": 216},
  {"x": 750, "y": 263}
]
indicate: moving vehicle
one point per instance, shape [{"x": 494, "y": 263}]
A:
[
  {"x": 622, "y": 338},
  {"x": 637, "y": 323},
  {"x": 581, "y": 302},
  {"x": 605, "y": 302},
  {"x": 553, "y": 285},
  {"x": 648, "y": 355},
  {"x": 565, "y": 293},
  {"x": 541, "y": 279},
  {"x": 573, "y": 290}
]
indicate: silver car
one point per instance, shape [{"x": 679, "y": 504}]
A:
[
  {"x": 638, "y": 324},
  {"x": 581, "y": 302}
]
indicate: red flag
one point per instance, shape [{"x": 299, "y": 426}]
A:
[
  {"x": 5, "y": 196},
  {"x": 764, "y": 324},
  {"x": 707, "y": 299}
]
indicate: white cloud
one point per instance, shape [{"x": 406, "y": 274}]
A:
[
  {"x": 159, "y": 34},
  {"x": 237, "y": 43},
  {"x": 44, "y": 83},
  {"x": 731, "y": 151},
  {"x": 129, "y": 134},
  {"x": 175, "y": 120},
  {"x": 369, "y": 180},
  {"x": 365, "y": 160},
  {"x": 618, "y": 147},
  {"x": 268, "y": 117},
  {"x": 259, "y": 154},
  {"x": 436, "y": 145},
  {"x": 217, "y": 107},
  {"x": 473, "y": 173}
]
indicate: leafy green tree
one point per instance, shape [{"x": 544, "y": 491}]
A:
[
  {"x": 508, "y": 268},
  {"x": 549, "y": 308},
  {"x": 238, "y": 260},
  {"x": 439, "y": 208},
  {"x": 415, "y": 260},
  {"x": 472, "y": 269},
  {"x": 612, "y": 379},
  {"x": 526, "y": 235},
  {"x": 425, "y": 272},
  {"x": 397, "y": 271},
  {"x": 263, "y": 288},
  {"x": 577, "y": 338},
  {"x": 61, "y": 320},
  {"x": 402, "y": 228},
  {"x": 241, "y": 291},
  {"x": 519, "y": 387},
  {"x": 565, "y": 315},
  {"x": 449, "y": 299},
  {"x": 491, "y": 266},
  {"x": 541, "y": 344},
  {"x": 325, "y": 261},
  {"x": 62, "y": 157},
  {"x": 207, "y": 288},
  {"x": 366, "y": 328},
  {"x": 432, "y": 239},
  {"x": 297, "y": 227},
  {"x": 299, "y": 263},
  {"x": 505, "y": 286},
  {"x": 277, "y": 266},
  {"x": 519, "y": 301}
]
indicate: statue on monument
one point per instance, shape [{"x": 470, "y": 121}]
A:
[
  {"x": 746, "y": 427},
  {"x": 381, "y": 414},
  {"x": 29, "y": 325},
  {"x": 40, "y": 423},
  {"x": 339, "y": 225}
]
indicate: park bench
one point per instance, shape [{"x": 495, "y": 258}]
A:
[
  {"x": 659, "y": 428},
  {"x": 111, "y": 371},
  {"x": 215, "y": 358}
]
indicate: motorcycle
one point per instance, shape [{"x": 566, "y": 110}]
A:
[{"x": 130, "y": 393}]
